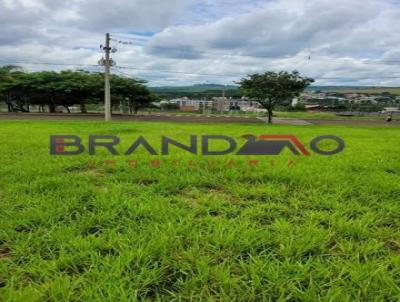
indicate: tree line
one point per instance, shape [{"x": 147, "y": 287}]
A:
[{"x": 49, "y": 90}]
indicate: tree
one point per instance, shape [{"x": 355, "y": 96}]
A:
[
  {"x": 272, "y": 88},
  {"x": 131, "y": 90},
  {"x": 8, "y": 83},
  {"x": 21, "y": 89},
  {"x": 77, "y": 87},
  {"x": 298, "y": 107}
]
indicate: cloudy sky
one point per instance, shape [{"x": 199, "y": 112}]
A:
[{"x": 179, "y": 42}]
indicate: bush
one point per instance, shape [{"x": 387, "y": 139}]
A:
[
  {"x": 298, "y": 107},
  {"x": 169, "y": 106}
]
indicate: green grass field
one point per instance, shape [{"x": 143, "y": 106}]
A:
[
  {"x": 332, "y": 116},
  {"x": 306, "y": 115},
  {"x": 82, "y": 228}
]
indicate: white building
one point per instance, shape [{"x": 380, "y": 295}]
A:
[
  {"x": 187, "y": 103},
  {"x": 391, "y": 109},
  {"x": 219, "y": 104}
]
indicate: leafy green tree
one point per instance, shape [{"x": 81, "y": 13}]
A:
[
  {"x": 77, "y": 87},
  {"x": 131, "y": 90},
  {"x": 8, "y": 84},
  {"x": 66, "y": 88},
  {"x": 298, "y": 107},
  {"x": 272, "y": 88},
  {"x": 46, "y": 83}
]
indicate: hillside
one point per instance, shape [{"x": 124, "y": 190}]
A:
[
  {"x": 211, "y": 90},
  {"x": 196, "y": 91}
]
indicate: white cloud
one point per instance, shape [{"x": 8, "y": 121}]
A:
[
  {"x": 125, "y": 15},
  {"x": 221, "y": 37}
]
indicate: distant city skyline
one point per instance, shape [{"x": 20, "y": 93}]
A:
[{"x": 185, "y": 42}]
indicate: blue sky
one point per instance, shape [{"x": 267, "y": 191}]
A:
[{"x": 182, "y": 42}]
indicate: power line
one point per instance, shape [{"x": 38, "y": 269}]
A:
[
  {"x": 192, "y": 73},
  {"x": 122, "y": 73},
  {"x": 306, "y": 58},
  {"x": 47, "y": 63},
  {"x": 177, "y": 72},
  {"x": 107, "y": 68},
  {"x": 241, "y": 75}
]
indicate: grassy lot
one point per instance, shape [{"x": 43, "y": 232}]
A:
[
  {"x": 333, "y": 116},
  {"x": 371, "y": 90},
  {"x": 306, "y": 115},
  {"x": 79, "y": 228}
]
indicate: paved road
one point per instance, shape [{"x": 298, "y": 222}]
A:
[
  {"x": 356, "y": 122},
  {"x": 190, "y": 118},
  {"x": 117, "y": 117}
]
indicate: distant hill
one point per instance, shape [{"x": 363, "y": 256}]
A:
[
  {"x": 356, "y": 89},
  {"x": 193, "y": 88},
  {"x": 211, "y": 90},
  {"x": 196, "y": 91}
]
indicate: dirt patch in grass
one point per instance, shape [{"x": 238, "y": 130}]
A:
[
  {"x": 89, "y": 169},
  {"x": 5, "y": 252},
  {"x": 393, "y": 246}
]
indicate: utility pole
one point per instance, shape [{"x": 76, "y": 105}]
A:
[
  {"x": 222, "y": 101},
  {"x": 107, "y": 65}
]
